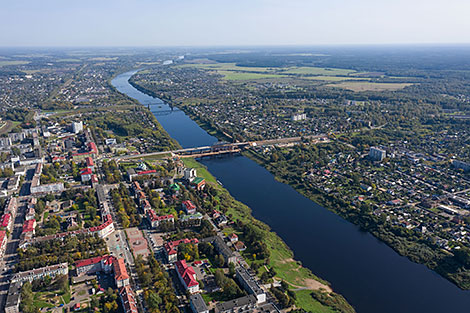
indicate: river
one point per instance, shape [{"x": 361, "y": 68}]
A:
[{"x": 372, "y": 277}]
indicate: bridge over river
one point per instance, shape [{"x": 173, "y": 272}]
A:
[{"x": 225, "y": 148}]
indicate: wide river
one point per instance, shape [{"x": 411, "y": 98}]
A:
[{"x": 372, "y": 277}]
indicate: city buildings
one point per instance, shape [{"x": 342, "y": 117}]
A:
[{"x": 377, "y": 154}]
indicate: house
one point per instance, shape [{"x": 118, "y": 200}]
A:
[
  {"x": 221, "y": 220},
  {"x": 3, "y": 242},
  {"x": 6, "y": 221},
  {"x": 197, "y": 304},
  {"x": 128, "y": 301},
  {"x": 120, "y": 273},
  {"x": 187, "y": 276},
  {"x": 171, "y": 248},
  {"x": 188, "y": 207},
  {"x": 198, "y": 183},
  {"x": 29, "y": 229},
  {"x": 233, "y": 238},
  {"x": 89, "y": 163},
  {"x": 175, "y": 188},
  {"x": 191, "y": 220},
  {"x": 239, "y": 246},
  {"x": 146, "y": 205},
  {"x": 85, "y": 174},
  {"x": 155, "y": 220}
]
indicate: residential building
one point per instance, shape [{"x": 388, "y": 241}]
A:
[
  {"x": 85, "y": 174},
  {"x": 120, "y": 273},
  {"x": 377, "y": 154},
  {"x": 3, "y": 242},
  {"x": 171, "y": 248},
  {"x": 127, "y": 296},
  {"x": 299, "y": 117},
  {"x": 187, "y": 276},
  {"x": 222, "y": 248},
  {"x": 242, "y": 304},
  {"x": 39, "y": 273},
  {"x": 155, "y": 220},
  {"x": 94, "y": 265},
  {"x": 188, "y": 207},
  {"x": 189, "y": 174},
  {"x": 461, "y": 165},
  {"x": 77, "y": 127},
  {"x": 12, "y": 304},
  {"x": 197, "y": 304},
  {"x": 250, "y": 284}
]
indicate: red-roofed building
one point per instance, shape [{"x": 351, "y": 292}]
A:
[
  {"x": 28, "y": 229},
  {"x": 6, "y": 221},
  {"x": 94, "y": 179},
  {"x": 3, "y": 242},
  {"x": 155, "y": 220},
  {"x": 148, "y": 172},
  {"x": 128, "y": 300},
  {"x": 89, "y": 163},
  {"x": 233, "y": 238},
  {"x": 171, "y": 248},
  {"x": 85, "y": 174},
  {"x": 145, "y": 204},
  {"x": 93, "y": 265},
  {"x": 187, "y": 276},
  {"x": 120, "y": 273},
  {"x": 188, "y": 207}
]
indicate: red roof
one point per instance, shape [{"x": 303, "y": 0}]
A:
[
  {"x": 187, "y": 273},
  {"x": 171, "y": 246},
  {"x": 147, "y": 172},
  {"x": 94, "y": 178},
  {"x": 128, "y": 299},
  {"x": 86, "y": 171},
  {"x": 89, "y": 161},
  {"x": 28, "y": 226},
  {"x": 189, "y": 205},
  {"x": 154, "y": 217},
  {"x": 94, "y": 260},
  {"x": 5, "y": 220},
  {"x": 3, "y": 236},
  {"x": 120, "y": 272},
  {"x": 92, "y": 147}
]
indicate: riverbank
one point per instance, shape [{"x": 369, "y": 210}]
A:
[
  {"x": 312, "y": 293},
  {"x": 404, "y": 243}
]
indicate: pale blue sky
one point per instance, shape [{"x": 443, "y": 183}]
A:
[{"x": 231, "y": 22}]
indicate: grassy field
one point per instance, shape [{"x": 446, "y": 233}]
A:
[
  {"x": 6, "y": 63},
  {"x": 369, "y": 86},
  {"x": 305, "y": 301},
  {"x": 200, "y": 169},
  {"x": 317, "y": 71},
  {"x": 334, "y": 78},
  {"x": 233, "y": 75}
]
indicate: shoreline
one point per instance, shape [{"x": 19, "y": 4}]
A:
[
  {"x": 319, "y": 198},
  {"x": 307, "y": 286}
]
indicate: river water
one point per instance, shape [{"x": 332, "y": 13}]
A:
[{"x": 372, "y": 277}]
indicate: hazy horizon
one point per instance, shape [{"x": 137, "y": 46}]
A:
[{"x": 221, "y": 23}]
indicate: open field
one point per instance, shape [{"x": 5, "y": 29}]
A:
[
  {"x": 233, "y": 75},
  {"x": 317, "y": 71},
  {"x": 369, "y": 86},
  {"x": 6, "y": 63},
  {"x": 335, "y": 78}
]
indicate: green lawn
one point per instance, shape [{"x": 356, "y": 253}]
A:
[
  {"x": 306, "y": 301},
  {"x": 318, "y": 71},
  {"x": 201, "y": 169}
]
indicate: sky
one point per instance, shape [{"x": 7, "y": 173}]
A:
[{"x": 232, "y": 22}]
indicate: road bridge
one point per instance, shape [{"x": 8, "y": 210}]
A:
[{"x": 224, "y": 148}]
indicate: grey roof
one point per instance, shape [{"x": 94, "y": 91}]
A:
[
  {"x": 246, "y": 301},
  {"x": 198, "y": 303},
  {"x": 13, "y": 298},
  {"x": 248, "y": 281}
]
